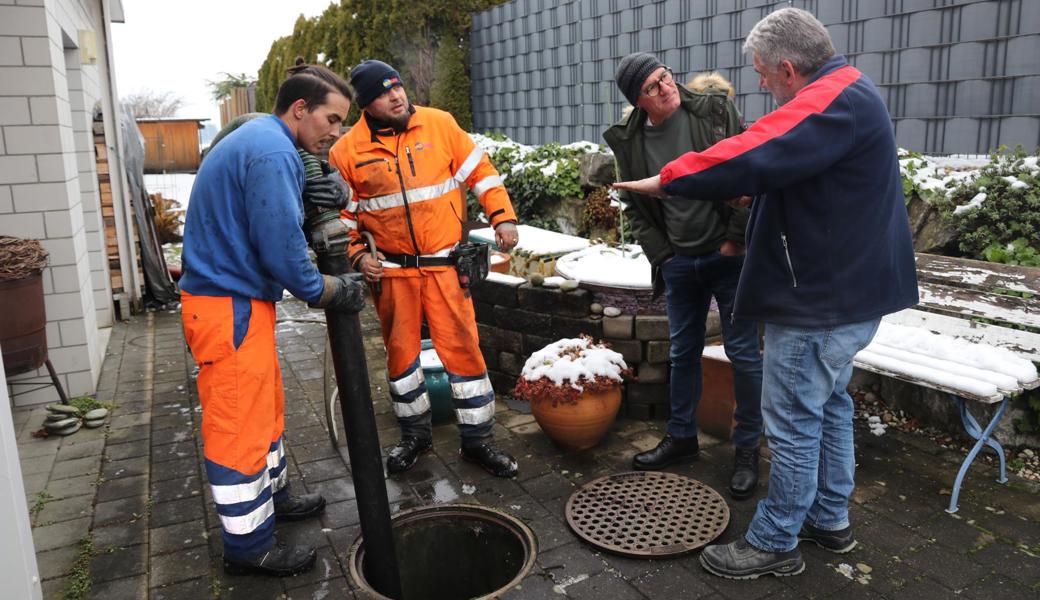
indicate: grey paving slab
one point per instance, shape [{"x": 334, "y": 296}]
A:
[
  {"x": 178, "y": 469},
  {"x": 54, "y": 589},
  {"x": 195, "y": 589},
  {"x": 120, "y": 534},
  {"x": 124, "y": 487},
  {"x": 76, "y": 448},
  {"x": 177, "y": 511},
  {"x": 327, "y": 589},
  {"x": 38, "y": 464},
  {"x": 57, "y": 535},
  {"x": 119, "y": 562},
  {"x": 178, "y": 537},
  {"x": 127, "y": 450},
  {"x": 38, "y": 447},
  {"x": 123, "y": 510},
  {"x": 131, "y": 467},
  {"x": 176, "y": 489},
  {"x": 183, "y": 565},
  {"x": 56, "y": 563},
  {"x": 66, "y": 509},
  {"x": 128, "y": 587}
]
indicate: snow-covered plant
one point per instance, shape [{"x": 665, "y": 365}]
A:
[
  {"x": 535, "y": 176},
  {"x": 997, "y": 210},
  {"x": 563, "y": 370}
]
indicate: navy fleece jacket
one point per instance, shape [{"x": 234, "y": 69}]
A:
[{"x": 828, "y": 240}]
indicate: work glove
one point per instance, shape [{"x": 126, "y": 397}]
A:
[
  {"x": 328, "y": 191},
  {"x": 343, "y": 293}
]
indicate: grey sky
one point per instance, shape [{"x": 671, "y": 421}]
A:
[{"x": 178, "y": 46}]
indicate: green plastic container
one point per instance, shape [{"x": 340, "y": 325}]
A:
[{"x": 437, "y": 385}]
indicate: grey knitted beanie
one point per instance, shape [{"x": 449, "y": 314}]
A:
[{"x": 633, "y": 71}]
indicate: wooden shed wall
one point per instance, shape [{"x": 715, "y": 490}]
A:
[{"x": 170, "y": 146}]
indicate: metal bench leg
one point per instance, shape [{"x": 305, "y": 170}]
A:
[{"x": 971, "y": 426}]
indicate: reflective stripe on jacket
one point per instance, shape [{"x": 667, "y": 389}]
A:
[{"x": 407, "y": 187}]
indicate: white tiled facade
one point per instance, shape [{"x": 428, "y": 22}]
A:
[{"x": 52, "y": 53}]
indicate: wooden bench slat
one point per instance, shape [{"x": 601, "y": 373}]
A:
[
  {"x": 976, "y": 274},
  {"x": 975, "y": 304}
]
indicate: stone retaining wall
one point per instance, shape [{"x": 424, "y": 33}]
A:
[{"x": 516, "y": 320}]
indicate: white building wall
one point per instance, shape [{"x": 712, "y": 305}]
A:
[{"x": 48, "y": 179}]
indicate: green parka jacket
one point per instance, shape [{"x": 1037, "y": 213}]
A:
[{"x": 714, "y": 119}]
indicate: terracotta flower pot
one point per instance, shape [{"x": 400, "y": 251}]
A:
[{"x": 582, "y": 425}]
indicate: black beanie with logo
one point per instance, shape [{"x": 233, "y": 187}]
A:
[{"x": 371, "y": 78}]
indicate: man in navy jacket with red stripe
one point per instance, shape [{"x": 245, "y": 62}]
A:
[{"x": 829, "y": 253}]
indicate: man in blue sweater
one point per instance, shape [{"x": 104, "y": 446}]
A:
[
  {"x": 829, "y": 253},
  {"x": 243, "y": 245}
]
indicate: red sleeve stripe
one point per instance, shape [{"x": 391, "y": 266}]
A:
[{"x": 813, "y": 98}]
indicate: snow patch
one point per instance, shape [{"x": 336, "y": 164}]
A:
[
  {"x": 534, "y": 240},
  {"x": 625, "y": 267},
  {"x": 570, "y": 360},
  {"x": 971, "y": 205}
]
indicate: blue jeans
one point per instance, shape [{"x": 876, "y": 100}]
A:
[
  {"x": 690, "y": 282},
  {"x": 808, "y": 419}
]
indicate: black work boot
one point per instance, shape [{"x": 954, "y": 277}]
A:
[
  {"x": 840, "y": 541},
  {"x": 669, "y": 450},
  {"x": 282, "y": 560},
  {"x": 403, "y": 456},
  {"x": 741, "y": 560},
  {"x": 296, "y": 508},
  {"x": 494, "y": 461},
  {"x": 745, "y": 473}
]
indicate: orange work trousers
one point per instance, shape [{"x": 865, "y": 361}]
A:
[
  {"x": 448, "y": 310},
  {"x": 243, "y": 402}
]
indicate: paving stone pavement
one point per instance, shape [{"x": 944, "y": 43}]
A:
[{"x": 126, "y": 509}]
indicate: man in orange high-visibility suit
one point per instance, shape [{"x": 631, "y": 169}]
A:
[
  {"x": 406, "y": 165},
  {"x": 246, "y": 195}
]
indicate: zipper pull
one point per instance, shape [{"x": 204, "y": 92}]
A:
[
  {"x": 787, "y": 254},
  {"x": 411, "y": 163}
]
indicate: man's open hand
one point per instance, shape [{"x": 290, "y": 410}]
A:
[{"x": 650, "y": 186}]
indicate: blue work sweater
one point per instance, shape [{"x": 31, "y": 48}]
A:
[
  {"x": 828, "y": 239},
  {"x": 243, "y": 234}
]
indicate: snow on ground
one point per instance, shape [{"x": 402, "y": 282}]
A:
[
  {"x": 173, "y": 186},
  {"x": 538, "y": 242},
  {"x": 570, "y": 360},
  {"x": 605, "y": 265}
]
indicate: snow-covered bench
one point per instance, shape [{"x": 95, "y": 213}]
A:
[{"x": 968, "y": 338}]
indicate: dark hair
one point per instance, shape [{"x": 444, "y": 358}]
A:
[{"x": 312, "y": 83}]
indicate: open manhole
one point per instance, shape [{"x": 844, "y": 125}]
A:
[
  {"x": 454, "y": 552},
  {"x": 647, "y": 514}
]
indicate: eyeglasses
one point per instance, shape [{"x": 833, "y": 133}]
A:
[{"x": 655, "y": 88}]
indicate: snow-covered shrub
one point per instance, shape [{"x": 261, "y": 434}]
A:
[
  {"x": 534, "y": 176},
  {"x": 997, "y": 210}
]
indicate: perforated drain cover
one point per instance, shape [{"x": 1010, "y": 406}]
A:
[{"x": 647, "y": 514}]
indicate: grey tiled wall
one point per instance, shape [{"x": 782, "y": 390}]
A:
[{"x": 959, "y": 76}]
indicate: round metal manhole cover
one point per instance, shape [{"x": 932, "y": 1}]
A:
[{"x": 647, "y": 514}]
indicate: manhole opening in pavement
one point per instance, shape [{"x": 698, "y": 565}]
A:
[
  {"x": 647, "y": 514},
  {"x": 453, "y": 552}
]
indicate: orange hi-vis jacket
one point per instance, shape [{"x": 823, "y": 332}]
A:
[{"x": 407, "y": 187}]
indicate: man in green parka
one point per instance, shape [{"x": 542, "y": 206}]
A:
[{"x": 696, "y": 250}]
